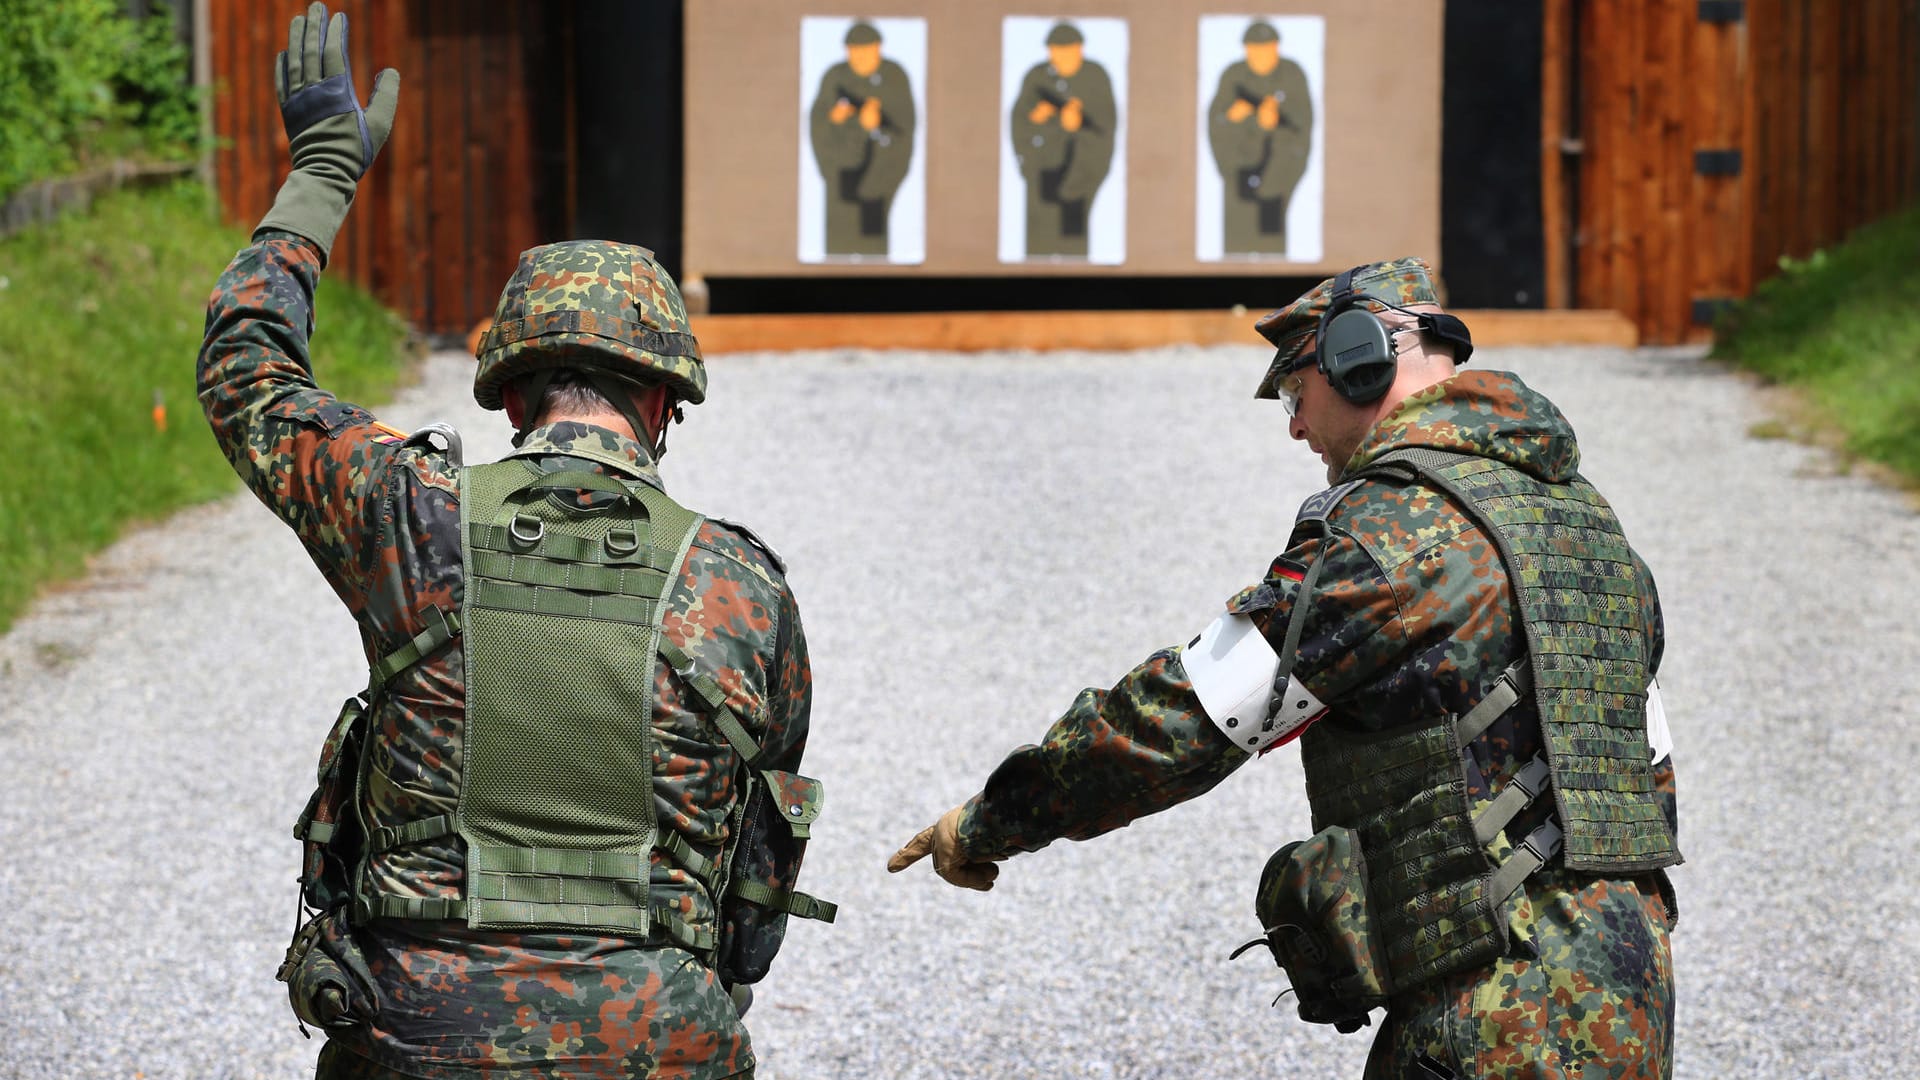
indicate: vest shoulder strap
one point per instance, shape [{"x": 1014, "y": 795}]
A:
[
  {"x": 1319, "y": 506},
  {"x": 756, "y": 540}
]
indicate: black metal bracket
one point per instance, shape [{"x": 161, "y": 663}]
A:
[
  {"x": 1707, "y": 309},
  {"x": 1723, "y": 12},
  {"x": 1717, "y": 162}
]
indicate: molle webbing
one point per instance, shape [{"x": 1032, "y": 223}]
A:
[
  {"x": 1429, "y": 879},
  {"x": 1579, "y": 596},
  {"x": 728, "y": 723},
  {"x": 561, "y": 627}
]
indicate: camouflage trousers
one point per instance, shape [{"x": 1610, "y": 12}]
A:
[
  {"x": 1586, "y": 995},
  {"x": 552, "y": 1006},
  {"x": 337, "y": 1063}
]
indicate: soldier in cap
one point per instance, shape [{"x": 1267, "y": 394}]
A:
[
  {"x": 1260, "y": 127},
  {"x": 557, "y": 833},
  {"x": 1063, "y": 127},
  {"x": 862, "y": 129},
  {"x": 1463, "y": 644}
]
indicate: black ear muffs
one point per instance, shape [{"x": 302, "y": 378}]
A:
[{"x": 1353, "y": 348}]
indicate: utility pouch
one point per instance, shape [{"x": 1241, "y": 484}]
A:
[
  {"x": 772, "y": 831},
  {"x": 1313, "y": 905},
  {"x": 328, "y": 982},
  {"x": 328, "y": 831}
]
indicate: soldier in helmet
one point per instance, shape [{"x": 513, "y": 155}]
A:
[
  {"x": 862, "y": 125},
  {"x": 1063, "y": 127},
  {"x": 1260, "y": 126},
  {"x": 1463, "y": 643},
  {"x": 557, "y": 833}
]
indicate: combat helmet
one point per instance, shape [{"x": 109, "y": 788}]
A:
[{"x": 597, "y": 306}]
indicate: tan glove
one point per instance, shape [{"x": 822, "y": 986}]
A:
[{"x": 942, "y": 841}]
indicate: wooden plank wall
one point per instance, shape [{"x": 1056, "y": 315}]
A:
[
  {"x": 1821, "y": 98},
  {"x": 471, "y": 175},
  {"x": 1656, "y": 84},
  {"x": 1836, "y": 120}
]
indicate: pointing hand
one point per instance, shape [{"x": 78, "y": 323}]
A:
[{"x": 942, "y": 841}]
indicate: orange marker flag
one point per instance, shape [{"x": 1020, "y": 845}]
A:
[{"x": 159, "y": 412}]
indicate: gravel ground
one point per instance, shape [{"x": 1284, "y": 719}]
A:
[{"x": 973, "y": 539}]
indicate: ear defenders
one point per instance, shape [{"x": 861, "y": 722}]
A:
[{"x": 1354, "y": 349}]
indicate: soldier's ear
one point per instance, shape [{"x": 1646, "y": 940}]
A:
[{"x": 515, "y": 405}]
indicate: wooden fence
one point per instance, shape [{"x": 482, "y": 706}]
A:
[
  {"x": 1689, "y": 144},
  {"x": 1836, "y": 120},
  {"x": 470, "y": 177}
]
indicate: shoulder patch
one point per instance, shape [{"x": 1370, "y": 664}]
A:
[
  {"x": 753, "y": 538},
  {"x": 1319, "y": 506}
]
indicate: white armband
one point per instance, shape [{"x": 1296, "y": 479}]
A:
[
  {"x": 1658, "y": 735},
  {"x": 1232, "y": 669}
]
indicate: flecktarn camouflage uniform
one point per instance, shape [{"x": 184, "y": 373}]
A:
[
  {"x": 380, "y": 516},
  {"x": 1584, "y": 988}
]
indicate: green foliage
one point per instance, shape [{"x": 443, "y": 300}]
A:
[
  {"x": 1843, "y": 327},
  {"x": 153, "y": 84},
  {"x": 104, "y": 313},
  {"x": 80, "y": 81}
]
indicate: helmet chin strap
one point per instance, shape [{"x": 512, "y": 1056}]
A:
[
  {"x": 660, "y": 442},
  {"x": 531, "y": 393},
  {"x": 620, "y": 392}
]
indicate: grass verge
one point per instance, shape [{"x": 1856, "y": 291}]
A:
[
  {"x": 1842, "y": 330},
  {"x": 103, "y": 314}
]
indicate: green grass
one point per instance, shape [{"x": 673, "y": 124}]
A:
[
  {"x": 1842, "y": 328},
  {"x": 102, "y": 311}
]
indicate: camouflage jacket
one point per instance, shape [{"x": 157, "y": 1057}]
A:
[
  {"x": 1381, "y": 648},
  {"x": 457, "y": 1002}
]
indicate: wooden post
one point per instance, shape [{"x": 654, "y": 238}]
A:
[{"x": 1556, "y": 190}]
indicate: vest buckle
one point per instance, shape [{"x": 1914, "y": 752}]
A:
[
  {"x": 539, "y": 529},
  {"x": 622, "y": 543}
]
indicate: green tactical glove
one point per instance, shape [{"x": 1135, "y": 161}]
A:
[
  {"x": 942, "y": 840},
  {"x": 332, "y": 138}
]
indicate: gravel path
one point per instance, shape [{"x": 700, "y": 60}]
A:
[{"x": 973, "y": 539}]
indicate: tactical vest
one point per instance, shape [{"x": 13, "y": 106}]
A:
[
  {"x": 560, "y": 624},
  {"x": 1435, "y": 889}
]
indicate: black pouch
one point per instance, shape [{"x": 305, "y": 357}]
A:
[
  {"x": 328, "y": 982},
  {"x": 774, "y": 823},
  {"x": 328, "y": 830},
  {"x": 1273, "y": 216},
  {"x": 1050, "y": 183},
  {"x": 1312, "y": 905}
]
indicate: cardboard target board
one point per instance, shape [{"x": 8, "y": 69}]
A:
[{"x": 1171, "y": 138}]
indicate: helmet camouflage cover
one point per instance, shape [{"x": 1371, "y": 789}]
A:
[{"x": 590, "y": 304}]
